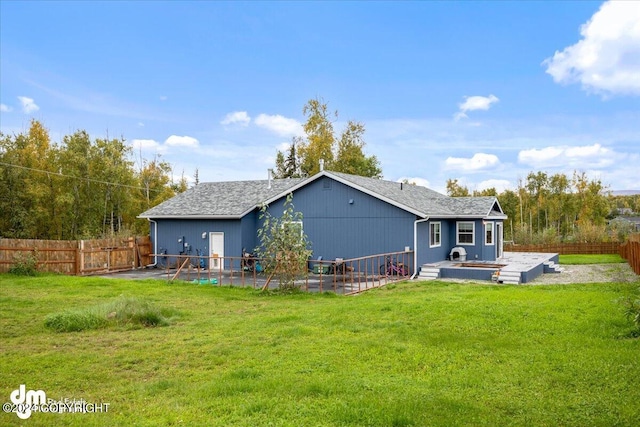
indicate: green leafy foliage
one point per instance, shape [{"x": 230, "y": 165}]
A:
[
  {"x": 284, "y": 248},
  {"x": 547, "y": 209},
  {"x": 631, "y": 306},
  {"x": 78, "y": 188},
  {"x": 25, "y": 264},
  {"x": 340, "y": 154}
]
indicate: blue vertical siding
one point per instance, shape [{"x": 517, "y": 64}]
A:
[
  {"x": 448, "y": 239},
  {"x": 170, "y": 230},
  {"x": 342, "y": 222}
]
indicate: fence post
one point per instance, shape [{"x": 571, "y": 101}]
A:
[{"x": 77, "y": 259}]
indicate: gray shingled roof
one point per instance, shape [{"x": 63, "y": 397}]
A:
[
  {"x": 233, "y": 199},
  {"x": 227, "y": 199}
]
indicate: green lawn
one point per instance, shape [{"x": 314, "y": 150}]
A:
[
  {"x": 591, "y": 259},
  {"x": 419, "y": 353}
]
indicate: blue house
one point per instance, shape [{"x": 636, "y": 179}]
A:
[{"x": 344, "y": 216}]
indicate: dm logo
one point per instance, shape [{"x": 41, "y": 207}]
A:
[{"x": 26, "y": 400}]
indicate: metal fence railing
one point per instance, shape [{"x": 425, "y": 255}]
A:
[{"x": 344, "y": 276}]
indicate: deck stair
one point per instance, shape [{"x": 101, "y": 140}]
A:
[
  {"x": 509, "y": 277},
  {"x": 429, "y": 272},
  {"x": 552, "y": 267}
]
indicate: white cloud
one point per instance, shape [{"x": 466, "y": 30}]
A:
[
  {"x": 239, "y": 117},
  {"x": 5, "y": 108},
  {"x": 281, "y": 125},
  {"x": 595, "y": 156},
  {"x": 163, "y": 98},
  {"x": 606, "y": 59},
  {"x": 181, "y": 141},
  {"x": 473, "y": 103},
  {"x": 28, "y": 105},
  {"x": 140, "y": 124},
  {"x": 539, "y": 157},
  {"x": 478, "y": 162}
]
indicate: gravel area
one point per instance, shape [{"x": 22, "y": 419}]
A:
[{"x": 589, "y": 273}]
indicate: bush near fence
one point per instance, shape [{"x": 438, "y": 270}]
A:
[{"x": 78, "y": 257}]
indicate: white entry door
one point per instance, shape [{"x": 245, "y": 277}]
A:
[{"x": 216, "y": 249}]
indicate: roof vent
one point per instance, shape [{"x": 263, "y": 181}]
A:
[
  {"x": 269, "y": 172},
  {"x": 321, "y": 165}
]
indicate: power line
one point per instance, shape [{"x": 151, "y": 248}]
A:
[{"x": 79, "y": 177}]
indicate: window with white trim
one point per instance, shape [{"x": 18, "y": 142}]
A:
[
  {"x": 465, "y": 231},
  {"x": 435, "y": 234},
  {"x": 488, "y": 233}
]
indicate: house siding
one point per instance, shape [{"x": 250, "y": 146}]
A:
[
  {"x": 340, "y": 222},
  {"x": 170, "y": 230},
  {"x": 337, "y": 228}
]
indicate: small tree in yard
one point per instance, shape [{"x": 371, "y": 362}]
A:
[{"x": 283, "y": 245}]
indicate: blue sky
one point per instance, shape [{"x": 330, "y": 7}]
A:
[{"x": 482, "y": 92}]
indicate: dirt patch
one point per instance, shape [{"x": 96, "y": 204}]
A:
[{"x": 589, "y": 273}]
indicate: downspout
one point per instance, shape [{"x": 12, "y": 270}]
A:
[
  {"x": 155, "y": 243},
  {"x": 415, "y": 244}
]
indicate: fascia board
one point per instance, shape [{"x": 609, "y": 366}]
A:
[
  {"x": 433, "y": 216},
  {"x": 191, "y": 217}
]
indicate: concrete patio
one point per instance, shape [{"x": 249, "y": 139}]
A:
[{"x": 513, "y": 268}]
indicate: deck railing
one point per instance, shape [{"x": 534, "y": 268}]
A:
[{"x": 344, "y": 276}]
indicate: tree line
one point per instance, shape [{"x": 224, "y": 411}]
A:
[
  {"x": 553, "y": 208},
  {"x": 78, "y": 188},
  {"x": 86, "y": 188}
]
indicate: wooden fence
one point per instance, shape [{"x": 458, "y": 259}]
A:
[
  {"x": 78, "y": 257},
  {"x": 567, "y": 248},
  {"x": 631, "y": 252}
]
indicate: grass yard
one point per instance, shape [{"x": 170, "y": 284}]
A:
[
  {"x": 591, "y": 259},
  {"x": 419, "y": 353}
]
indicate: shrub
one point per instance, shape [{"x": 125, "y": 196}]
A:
[
  {"x": 25, "y": 265},
  {"x": 284, "y": 248},
  {"x": 631, "y": 305}
]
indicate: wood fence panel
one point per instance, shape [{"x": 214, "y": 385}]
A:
[
  {"x": 78, "y": 257},
  {"x": 567, "y": 248},
  {"x": 105, "y": 255},
  {"x": 631, "y": 252},
  {"x": 56, "y": 256},
  {"x": 144, "y": 251}
]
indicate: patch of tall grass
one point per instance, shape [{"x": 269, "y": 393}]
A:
[{"x": 123, "y": 311}]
